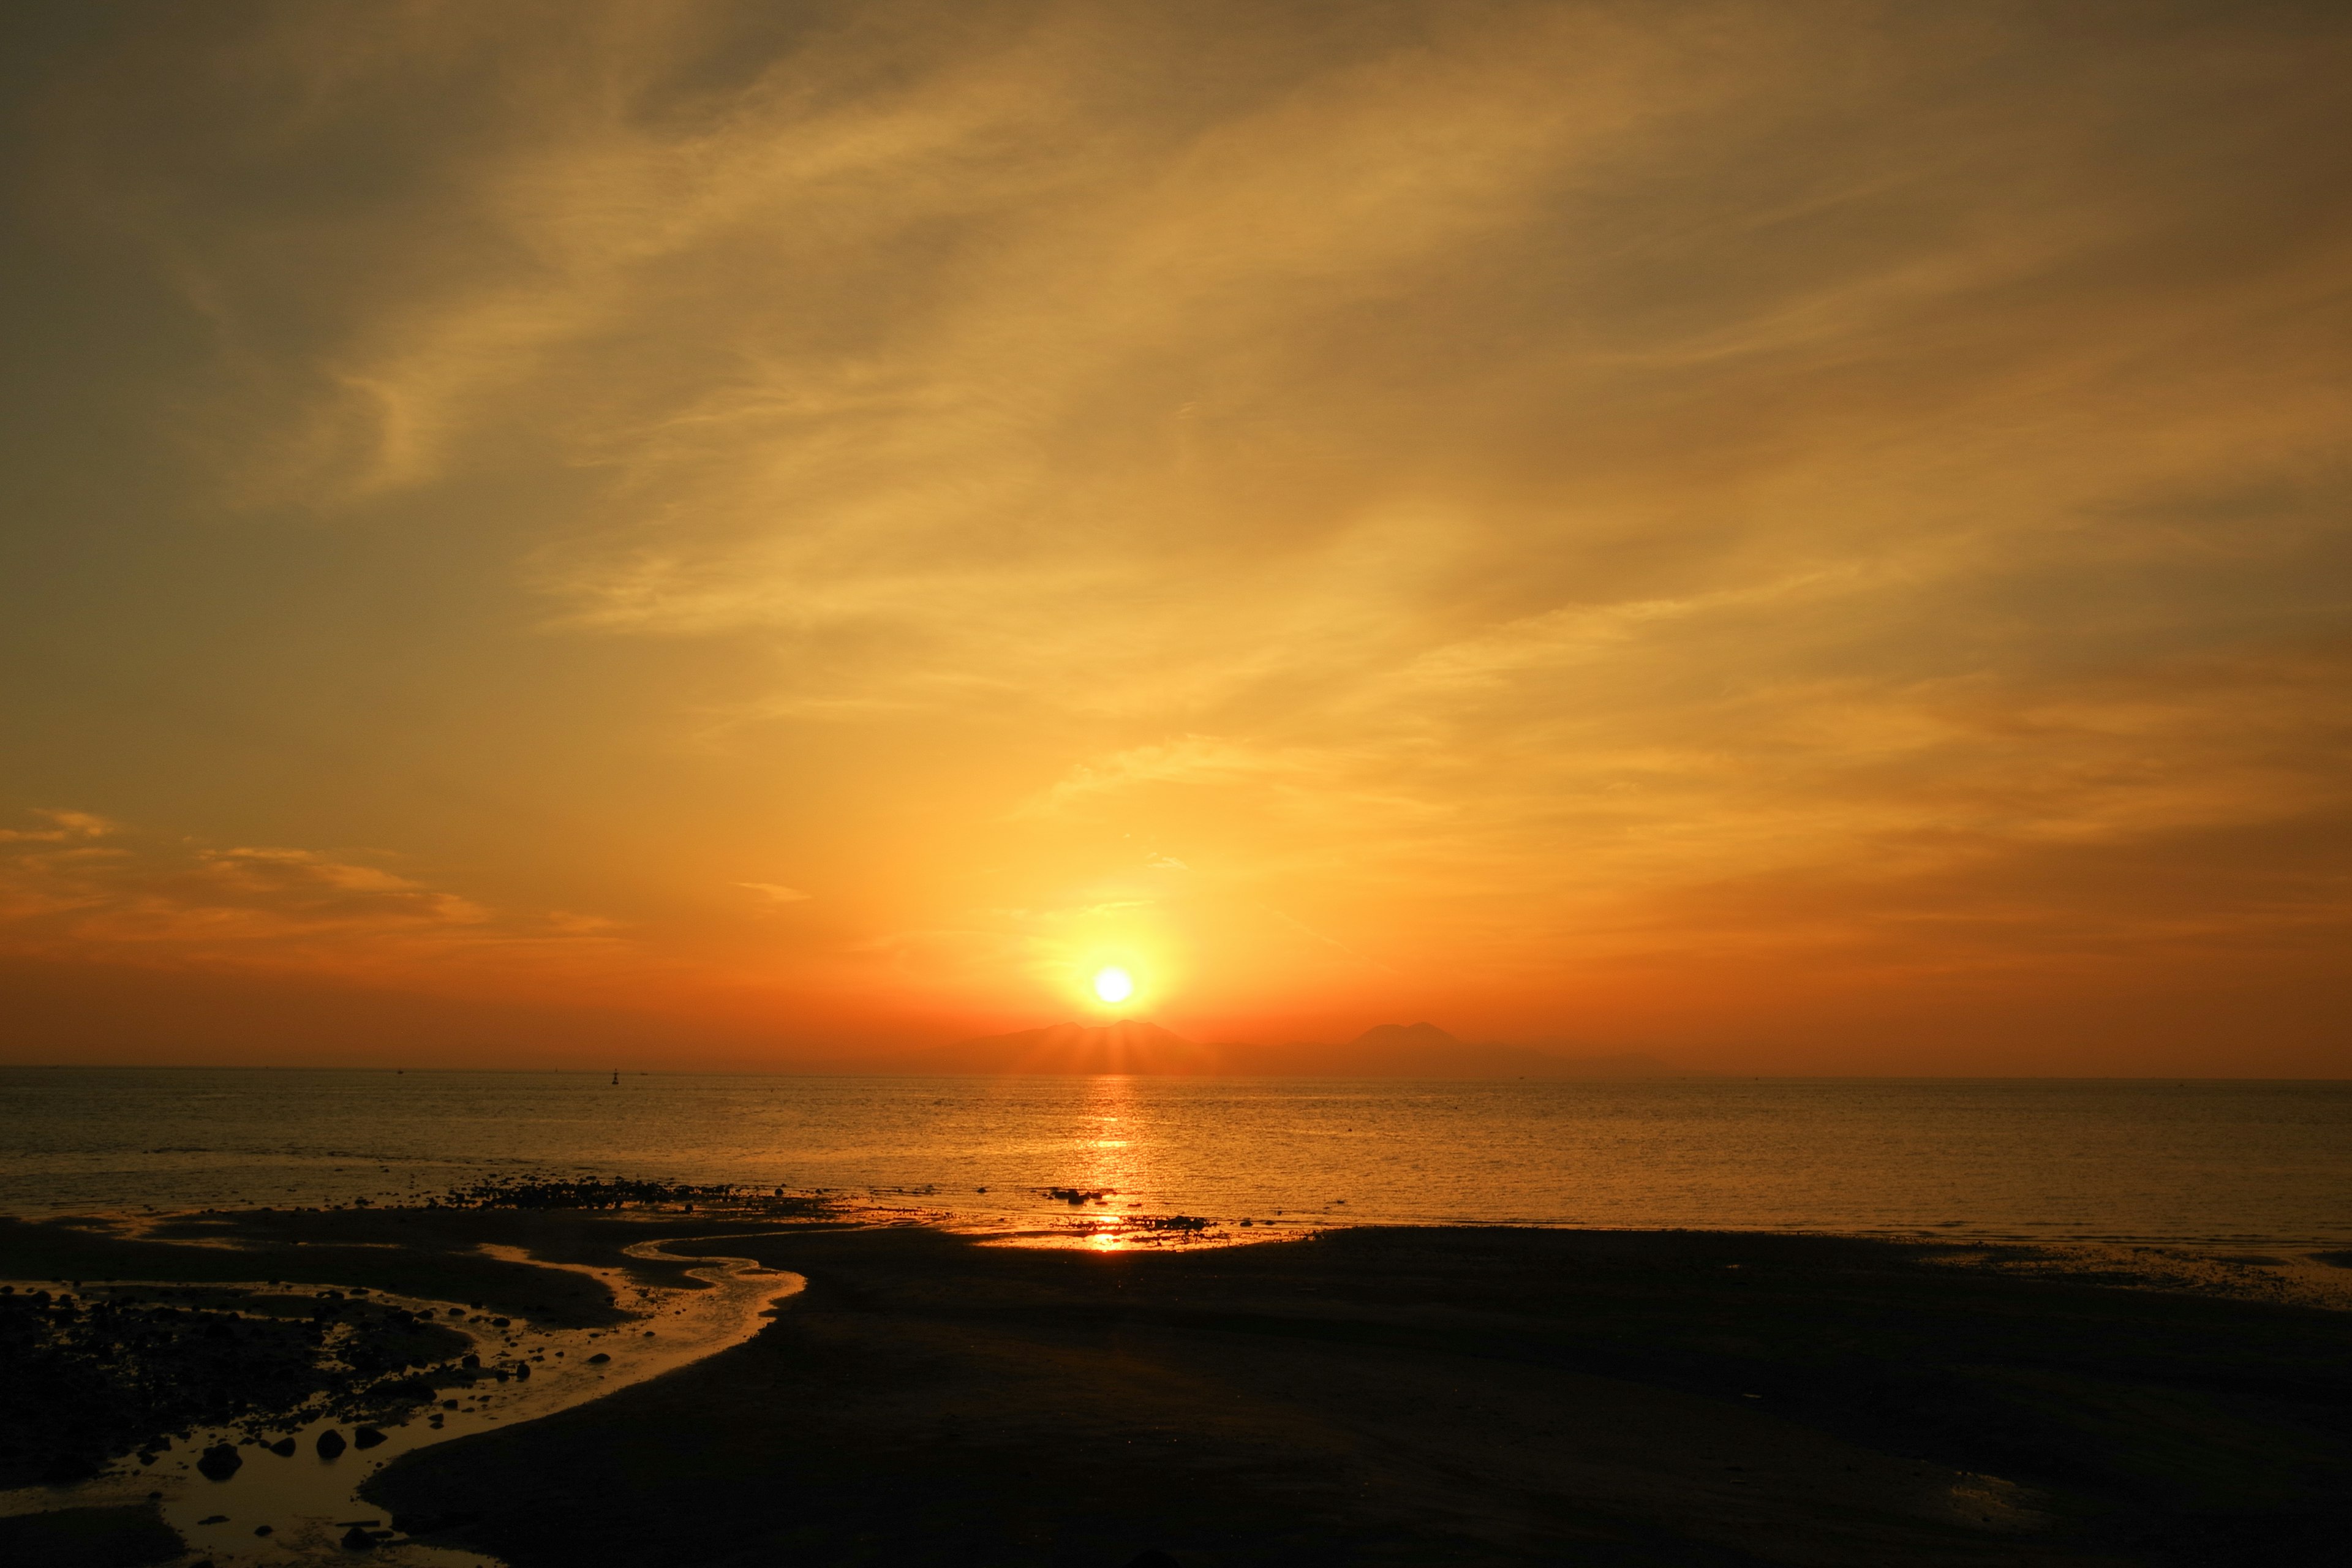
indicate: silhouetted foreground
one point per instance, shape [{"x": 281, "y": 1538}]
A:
[
  {"x": 1410, "y": 1397},
  {"x": 1441, "y": 1396},
  {"x": 115, "y": 1370}
]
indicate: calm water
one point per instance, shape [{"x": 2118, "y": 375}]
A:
[{"x": 2246, "y": 1163}]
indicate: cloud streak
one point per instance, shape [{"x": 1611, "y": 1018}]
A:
[
  {"x": 90, "y": 890},
  {"x": 1534, "y": 489}
]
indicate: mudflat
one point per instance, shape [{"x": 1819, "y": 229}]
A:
[
  {"x": 1439, "y": 1396},
  {"x": 1386, "y": 1396}
]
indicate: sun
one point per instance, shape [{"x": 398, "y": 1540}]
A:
[{"x": 1114, "y": 985}]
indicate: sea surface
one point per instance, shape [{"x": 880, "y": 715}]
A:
[{"x": 2201, "y": 1162}]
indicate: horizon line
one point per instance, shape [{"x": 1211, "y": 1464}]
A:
[{"x": 1678, "y": 1076}]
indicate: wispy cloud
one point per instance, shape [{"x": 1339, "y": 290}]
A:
[
  {"x": 1508, "y": 482},
  {"x": 64, "y": 827},
  {"x": 139, "y": 899}
]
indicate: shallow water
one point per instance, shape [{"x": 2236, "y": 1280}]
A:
[
  {"x": 308, "y": 1500},
  {"x": 2259, "y": 1163}
]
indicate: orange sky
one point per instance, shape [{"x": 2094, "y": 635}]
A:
[{"x": 1793, "y": 537}]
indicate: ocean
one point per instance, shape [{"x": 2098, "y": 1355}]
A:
[{"x": 2199, "y": 1162}]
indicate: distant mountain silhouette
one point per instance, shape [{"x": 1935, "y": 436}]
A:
[
  {"x": 1425, "y": 1051},
  {"x": 1405, "y": 1037},
  {"x": 1386, "y": 1050}
]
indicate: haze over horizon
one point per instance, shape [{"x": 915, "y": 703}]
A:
[{"x": 1783, "y": 537}]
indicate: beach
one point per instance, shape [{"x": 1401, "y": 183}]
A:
[
  {"x": 816, "y": 784},
  {"x": 1360, "y": 1395}
]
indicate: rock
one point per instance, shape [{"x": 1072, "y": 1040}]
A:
[
  {"x": 367, "y": 1438},
  {"x": 501, "y": 1322},
  {"x": 357, "y": 1539},
  {"x": 264, "y": 1529},
  {"x": 599, "y": 1358},
  {"x": 330, "y": 1443},
  {"x": 220, "y": 1461},
  {"x": 213, "y": 1518},
  {"x": 64, "y": 1538},
  {"x": 469, "y": 1363},
  {"x": 283, "y": 1448},
  {"x": 64, "y": 1468},
  {"x": 522, "y": 1369}
]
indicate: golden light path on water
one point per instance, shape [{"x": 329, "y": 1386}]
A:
[
  {"x": 2263, "y": 1166},
  {"x": 1113, "y": 1165}
]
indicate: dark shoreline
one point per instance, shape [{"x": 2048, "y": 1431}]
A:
[{"x": 1374, "y": 1396}]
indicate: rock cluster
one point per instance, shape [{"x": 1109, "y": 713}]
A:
[{"x": 121, "y": 1369}]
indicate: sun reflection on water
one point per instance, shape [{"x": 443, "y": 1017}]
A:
[
  {"x": 1115, "y": 1165},
  {"x": 1115, "y": 1187},
  {"x": 1106, "y": 1176}
]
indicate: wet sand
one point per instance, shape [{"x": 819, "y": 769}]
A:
[
  {"x": 1387, "y": 1397},
  {"x": 1442, "y": 1396}
]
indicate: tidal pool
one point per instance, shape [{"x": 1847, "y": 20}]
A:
[{"x": 309, "y": 1500}]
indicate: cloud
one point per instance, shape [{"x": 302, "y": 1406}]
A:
[
  {"x": 65, "y": 826},
  {"x": 145, "y": 900},
  {"x": 1508, "y": 482},
  {"x": 776, "y": 894},
  {"x": 1188, "y": 759},
  {"x": 1386, "y": 349}
]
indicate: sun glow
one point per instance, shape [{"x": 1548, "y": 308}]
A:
[{"x": 1113, "y": 985}]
